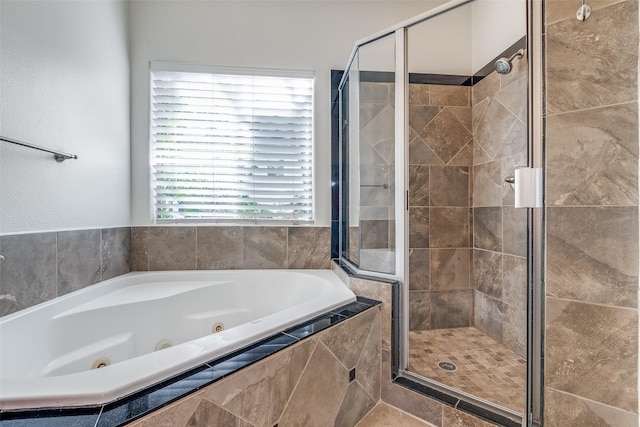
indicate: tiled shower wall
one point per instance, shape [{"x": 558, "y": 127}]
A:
[
  {"x": 591, "y": 354},
  {"x": 440, "y": 159},
  {"x": 41, "y": 266},
  {"x": 499, "y": 230}
]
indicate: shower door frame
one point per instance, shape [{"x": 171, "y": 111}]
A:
[{"x": 533, "y": 413}]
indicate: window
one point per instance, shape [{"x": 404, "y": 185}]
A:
[{"x": 231, "y": 144}]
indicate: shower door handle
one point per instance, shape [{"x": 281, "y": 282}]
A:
[{"x": 528, "y": 186}]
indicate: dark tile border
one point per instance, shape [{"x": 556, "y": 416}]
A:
[{"x": 137, "y": 405}]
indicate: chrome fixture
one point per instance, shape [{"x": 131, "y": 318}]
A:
[
  {"x": 58, "y": 155},
  {"x": 503, "y": 65},
  {"x": 583, "y": 12}
]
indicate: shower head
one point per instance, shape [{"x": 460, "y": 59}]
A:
[{"x": 503, "y": 65}]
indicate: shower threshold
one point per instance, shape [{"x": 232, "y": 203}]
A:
[{"x": 470, "y": 361}]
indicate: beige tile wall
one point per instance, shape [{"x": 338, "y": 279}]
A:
[
  {"x": 499, "y": 230},
  {"x": 591, "y": 370},
  {"x": 304, "y": 385}
]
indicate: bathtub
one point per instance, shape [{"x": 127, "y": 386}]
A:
[{"x": 111, "y": 339}]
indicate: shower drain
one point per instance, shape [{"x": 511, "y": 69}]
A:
[{"x": 447, "y": 366}]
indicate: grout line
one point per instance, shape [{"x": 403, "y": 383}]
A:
[
  {"x": 577, "y": 396},
  {"x": 547, "y": 296},
  {"x": 598, "y": 107}
]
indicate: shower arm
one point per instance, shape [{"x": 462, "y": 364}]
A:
[{"x": 58, "y": 155}]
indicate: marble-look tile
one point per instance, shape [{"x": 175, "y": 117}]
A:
[
  {"x": 219, "y": 248},
  {"x": 477, "y": 113},
  {"x": 451, "y": 309},
  {"x": 487, "y": 315},
  {"x": 487, "y": 184},
  {"x": 418, "y": 185},
  {"x": 374, "y": 93},
  {"x": 379, "y": 291},
  {"x": 175, "y": 415},
  {"x": 28, "y": 271},
  {"x": 454, "y": 418},
  {"x": 464, "y": 156},
  {"x": 309, "y": 247},
  {"x": 380, "y": 133},
  {"x": 449, "y": 227},
  {"x": 368, "y": 365},
  {"x": 115, "y": 252},
  {"x": 515, "y": 142},
  {"x": 464, "y": 116},
  {"x": 514, "y": 281},
  {"x": 449, "y": 269},
  {"x": 79, "y": 261},
  {"x": 368, "y": 112},
  {"x": 356, "y": 404},
  {"x": 209, "y": 414},
  {"x": 419, "y": 310},
  {"x": 318, "y": 396},
  {"x": 487, "y": 272},
  {"x": 347, "y": 339},
  {"x": 374, "y": 196},
  {"x": 592, "y": 254},
  {"x": 260, "y": 393},
  {"x": 354, "y": 245},
  {"x": 369, "y": 156},
  {"x": 445, "y": 135},
  {"x": 418, "y": 227},
  {"x": 172, "y": 248},
  {"x": 479, "y": 155},
  {"x": 519, "y": 70},
  {"x": 419, "y": 94},
  {"x": 587, "y": 70},
  {"x": 485, "y": 88},
  {"x": 558, "y": 10},
  {"x": 384, "y": 415},
  {"x": 514, "y": 330},
  {"x": 421, "y": 154},
  {"x": 514, "y": 98},
  {"x": 382, "y": 260},
  {"x": 264, "y": 247},
  {"x": 487, "y": 228},
  {"x": 493, "y": 130},
  {"x": 566, "y": 410},
  {"x": 592, "y": 157},
  {"x": 374, "y": 234},
  {"x": 514, "y": 231},
  {"x": 446, "y": 95},
  {"x": 407, "y": 400},
  {"x": 509, "y": 165},
  {"x": 140, "y": 248},
  {"x": 449, "y": 186},
  {"x": 592, "y": 351},
  {"x": 419, "y": 269},
  {"x": 420, "y": 116}
]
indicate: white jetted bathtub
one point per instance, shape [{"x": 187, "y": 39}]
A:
[{"x": 147, "y": 327}]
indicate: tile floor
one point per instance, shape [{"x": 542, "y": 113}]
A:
[
  {"x": 383, "y": 415},
  {"x": 484, "y": 368}
]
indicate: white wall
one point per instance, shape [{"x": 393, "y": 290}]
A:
[
  {"x": 495, "y": 26},
  {"x": 64, "y": 84},
  {"x": 303, "y": 35}
]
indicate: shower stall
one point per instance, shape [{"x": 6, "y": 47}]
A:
[{"x": 440, "y": 190}]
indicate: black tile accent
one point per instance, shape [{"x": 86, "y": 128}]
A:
[
  {"x": 130, "y": 408},
  {"x": 352, "y": 375}
]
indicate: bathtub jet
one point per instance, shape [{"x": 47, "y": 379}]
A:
[{"x": 109, "y": 340}]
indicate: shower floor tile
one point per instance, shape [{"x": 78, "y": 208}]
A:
[{"x": 484, "y": 368}]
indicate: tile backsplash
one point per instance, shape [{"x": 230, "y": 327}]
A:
[
  {"x": 41, "y": 266},
  {"x": 38, "y": 267}
]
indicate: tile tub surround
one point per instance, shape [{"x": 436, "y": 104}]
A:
[
  {"x": 41, "y": 266},
  {"x": 321, "y": 372},
  {"x": 158, "y": 248},
  {"x": 591, "y": 356}
]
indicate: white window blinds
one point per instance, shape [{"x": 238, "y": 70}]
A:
[{"x": 231, "y": 145}]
